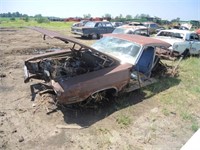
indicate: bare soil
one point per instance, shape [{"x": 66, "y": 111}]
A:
[{"x": 132, "y": 121}]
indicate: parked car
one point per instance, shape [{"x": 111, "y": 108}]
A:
[
  {"x": 139, "y": 30},
  {"x": 115, "y": 63},
  {"x": 135, "y": 24},
  {"x": 153, "y": 27},
  {"x": 117, "y": 24},
  {"x": 183, "y": 42},
  {"x": 93, "y": 29}
]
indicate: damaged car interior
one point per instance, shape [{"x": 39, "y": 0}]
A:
[{"x": 68, "y": 64}]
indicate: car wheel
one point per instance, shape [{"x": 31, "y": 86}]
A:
[
  {"x": 186, "y": 53},
  {"x": 94, "y": 36}
]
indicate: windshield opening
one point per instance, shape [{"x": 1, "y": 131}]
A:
[
  {"x": 124, "y": 50},
  {"x": 120, "y": 30},
  {"x": 90, "y": 24},
  {"x": 171, "y": 34}
]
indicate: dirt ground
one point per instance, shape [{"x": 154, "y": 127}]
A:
[{"x": 132, "y": 121}]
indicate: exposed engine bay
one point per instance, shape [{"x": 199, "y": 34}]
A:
[{"x": 67, "y": 65}]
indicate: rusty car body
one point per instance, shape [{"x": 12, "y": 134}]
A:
[{"x": 115, "y": 63}]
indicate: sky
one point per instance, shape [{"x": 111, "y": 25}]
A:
[{"x": 165, "y": 9}]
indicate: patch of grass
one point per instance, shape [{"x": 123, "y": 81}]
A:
[
  {"x": 104, "y": 142},
  {"x": 190, "y": 71},
  {"x": 104, "y": 130},
  {"x": 165, "y": 111},
  {"x": 186, "y": 116},
  {"x": 17, "y": 23},
  {"x": 123, "y": 120},
  {"x": 180, "y": 94},
  {"x": 194, "y": 126},
  {"x": 153, "y": 128},
  {"x": 162, "y": 85}
]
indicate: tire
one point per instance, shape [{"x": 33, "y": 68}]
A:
[
  {"x": 94, "y": 36},
  {"x": 186, "y": 53}
]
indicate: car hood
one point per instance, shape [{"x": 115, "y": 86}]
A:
[
  {"x": 65, "y": 39},
  {"x": 58, "y": 36},
  {"x": 169, "y": 40},
  {"x": 81, "y": 27}
]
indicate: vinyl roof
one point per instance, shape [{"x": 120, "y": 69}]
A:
[{"x": 141, "y": 40}]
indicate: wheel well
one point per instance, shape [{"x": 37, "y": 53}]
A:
[
  {"x": 98, "y": 36},
  {"x": 109, "y": 91}
]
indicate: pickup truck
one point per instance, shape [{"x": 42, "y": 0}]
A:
[
  {"x": 183, "y": 42},
  {"x": 93, "y": 29}
]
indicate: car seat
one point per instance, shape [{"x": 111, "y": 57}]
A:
[{"x": 144, "y": 64}]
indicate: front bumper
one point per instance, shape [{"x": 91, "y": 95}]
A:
[{"x": 26, "y": 75}]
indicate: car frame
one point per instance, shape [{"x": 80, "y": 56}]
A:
[{"x": 65, "y": 71}]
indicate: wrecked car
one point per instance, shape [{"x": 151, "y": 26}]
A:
[
  {"x": 183, "y": 42},
  {"x": 116, "y": 63},
  {"x": 93, "y": 29},
  {"x": 153, "y": 27}
]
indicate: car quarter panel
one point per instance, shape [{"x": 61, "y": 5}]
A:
[
  {"x": 81, "y": 87},
  {"x": 195, "y": 47}
]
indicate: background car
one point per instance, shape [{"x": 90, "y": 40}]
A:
[
  {"x": 139, "y": 30},
  {"x": 183, "y": 42},
  {"x": 153, "y": 27},
  {"x": 117, "y": 24},
  {"x": 135, "y": 24},
  {"x": 93, "y": 29},
  {"x": 80, "y": 24}
]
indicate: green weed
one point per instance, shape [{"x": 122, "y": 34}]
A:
[
  {"x": 123, "y": 120},
  {"x": 195, "y": 126},
  {"x": 166, "y": 112}
]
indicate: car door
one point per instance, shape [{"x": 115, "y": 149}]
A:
[
  {"x": 109, "y": 27},
  {"x": 143, "y": 32},
  {"x": 146, "y": 61},
  {"x": 101, "y": 28},
  {"x": 194, "y": 44}
]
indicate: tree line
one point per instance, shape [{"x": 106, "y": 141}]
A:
[
  {"x": 13, "y": 15},
  {"x": 120, "y": 18}
]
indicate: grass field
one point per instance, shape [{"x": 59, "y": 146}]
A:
[
  {"x": 183, "y": 93},
  {"x": 6, "y": 22}
]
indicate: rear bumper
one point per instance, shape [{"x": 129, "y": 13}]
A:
[{"x": 76, "y": 32}]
